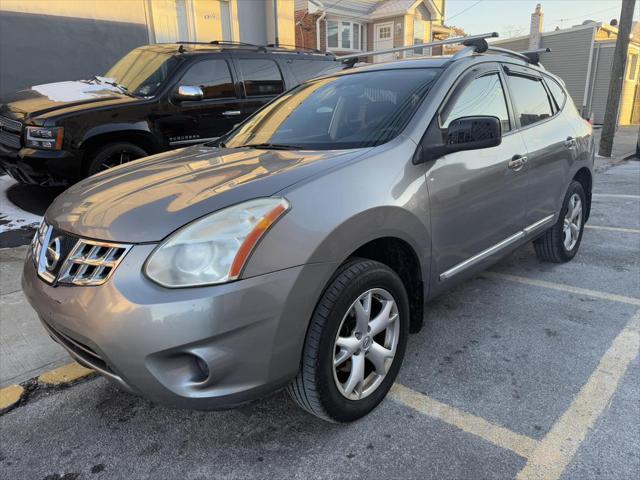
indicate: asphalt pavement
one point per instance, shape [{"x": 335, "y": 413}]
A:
[{"x": 530, "y": 370}]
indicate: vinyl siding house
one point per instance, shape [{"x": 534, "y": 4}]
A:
[
  {"x": 582, "y": 56},
  {"x": 352, "y": 26},
  {"x": 54, "y": 40}
]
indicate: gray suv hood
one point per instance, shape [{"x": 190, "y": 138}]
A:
[{"x": 146, "y": 200}]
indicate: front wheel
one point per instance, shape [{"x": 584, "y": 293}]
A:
[
  {"x": 355, "y": 343},
  {"x": 112, "y": 155},
  {"x": 561, "y": 242}
]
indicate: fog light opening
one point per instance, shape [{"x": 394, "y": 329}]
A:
[{"x": 202, "y": 370}]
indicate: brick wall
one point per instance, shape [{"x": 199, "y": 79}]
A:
[{"x": 306, "y": 29}]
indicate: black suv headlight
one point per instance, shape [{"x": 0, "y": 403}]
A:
[{"x": 45, "y": 138}]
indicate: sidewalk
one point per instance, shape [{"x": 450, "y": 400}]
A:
[
  {"x": 25, "y": 348},
  {"x": 624, "y": 142}
]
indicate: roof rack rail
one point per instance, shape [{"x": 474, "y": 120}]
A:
[
  {"x": 534, "y": 55},
  {"x": 352, "y": 59},
  {"x": 259, "y": 48},
  {"x": 296, "y": 47},
  {"x": 481, "y": 46}
]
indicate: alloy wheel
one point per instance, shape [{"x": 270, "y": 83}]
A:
[
  {"x": 116, "y": 159},
  {"x": 366, "y": 344},
  {"x": 572, "y": 222}
]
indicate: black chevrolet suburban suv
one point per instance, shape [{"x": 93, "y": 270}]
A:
[{"x": 157, "y": 97}]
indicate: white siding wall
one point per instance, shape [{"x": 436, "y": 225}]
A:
[
  {"x": 569, "y": 59},
  {"x": 601, "y": 82}
]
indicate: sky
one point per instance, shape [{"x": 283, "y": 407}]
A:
[{"x": 511, "y": 17}]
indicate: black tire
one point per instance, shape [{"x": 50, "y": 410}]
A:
[
  {"x": 550, "y": 246},
  {"x": 109, "y": 156},
  {"x": 314, "y": 388}
]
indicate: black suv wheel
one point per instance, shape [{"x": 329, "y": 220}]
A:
[{"x": 112, "y": 155}]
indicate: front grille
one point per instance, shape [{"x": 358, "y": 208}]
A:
[
  {"x": 62, "y": 258},
  {"x": 10, "y": 132},
  {"x": 9, "y": 139}
]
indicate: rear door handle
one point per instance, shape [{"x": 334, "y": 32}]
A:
[
  {"x": 231, "y": 113},
  {"x": 517, "y": 162}
]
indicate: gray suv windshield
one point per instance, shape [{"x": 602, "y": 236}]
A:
[{"x": 351, "y": 111}]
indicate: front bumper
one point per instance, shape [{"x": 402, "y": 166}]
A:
[
  {"x": 154, "y": 341},
  {"x": 40, "y": 167}
]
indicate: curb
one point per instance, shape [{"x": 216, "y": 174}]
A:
[{"x": 62, "y": 377}]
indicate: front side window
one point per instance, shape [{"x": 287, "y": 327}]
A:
[
  {"x": 261, "y": 77},
  {"x": 530, "y": 98},
  {"x": 213, "y": 77},
  {"x": 348, "y": 111},
  {"x": 483, "y": 96},
  {"x": 143, "y": 70}
]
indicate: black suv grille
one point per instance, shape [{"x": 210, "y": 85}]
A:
[{"x": 10, "y": 132}]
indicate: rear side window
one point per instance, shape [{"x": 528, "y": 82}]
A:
[
  {"x": 557, "y": 92},
  {"x": 483, "y": 96},
  {"x": 530, "y": 99},
  {"x": 303, "y": 70},
  {"x": 212, "y": 76},
  {"x": 261, "y": 77}
]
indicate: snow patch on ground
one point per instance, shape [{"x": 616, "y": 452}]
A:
[{"x": 11, "y": 216}]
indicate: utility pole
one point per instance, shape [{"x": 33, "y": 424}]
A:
[{"x": 617, "y": 78}]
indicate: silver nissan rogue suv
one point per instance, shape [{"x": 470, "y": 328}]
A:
[{"x": 300, "y": 249}]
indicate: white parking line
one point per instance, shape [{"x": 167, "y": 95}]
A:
[
  {"x": 556, "y": 450},
  {"x": 500, "y": 436},
  {"x": 613, "y": 229},
  {"x": 564, "y": 288},
  {"x": 614, "y": 195}
]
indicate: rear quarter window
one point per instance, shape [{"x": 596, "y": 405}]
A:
[
  {"x": 303, "y": 70},
  {"x": 261, "y": 77},
  {"x": 557, "y": 92}
]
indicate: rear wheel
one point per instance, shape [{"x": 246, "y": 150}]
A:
[
  {"x": 112, "y": 155},
  {"x": 561, "y": 242},
  {"x": 355, "y": 343}
]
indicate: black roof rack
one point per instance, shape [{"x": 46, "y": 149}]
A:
[{"x": 260, "y": 48}]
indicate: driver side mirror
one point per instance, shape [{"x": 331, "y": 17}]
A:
[
  {"x": 188, "y": 93},
  {"x": 466, "y": 133}
]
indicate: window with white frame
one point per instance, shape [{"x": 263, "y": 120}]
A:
[{"x": 345, "y": 35}]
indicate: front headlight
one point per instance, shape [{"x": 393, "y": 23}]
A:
[
  {"x": 45, "y": 138},
  {"x": 214, "y": 249}
]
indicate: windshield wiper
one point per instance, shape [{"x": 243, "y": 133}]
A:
[
  {"x": 273, "y": 146},
  {"x": 124, "y": 89}
]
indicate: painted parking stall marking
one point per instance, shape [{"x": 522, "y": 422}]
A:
[
  {"x": 563, "y": 288},
  {"x": 496, "y": 434}
]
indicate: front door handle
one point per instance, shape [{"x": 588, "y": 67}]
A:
[
  {"x": 517, "y": 162},
  {"x": 231, "y": 113}
]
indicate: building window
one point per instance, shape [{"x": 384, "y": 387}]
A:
[
  {"x": 344, "y": 35},
  {"x": 384, "y": 32},
  {"x": 418, "y": 35},
  {"x": 633, "y": 64}
]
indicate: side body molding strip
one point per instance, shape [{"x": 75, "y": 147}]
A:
[{"x": 495, "y": 248}]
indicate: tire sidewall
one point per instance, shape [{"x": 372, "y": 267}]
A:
[
  {"x": 337, "y": 406},
  {"x": 106, "y": 151}
]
